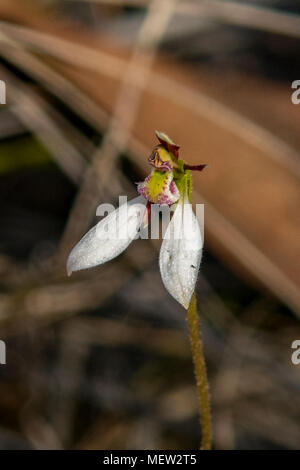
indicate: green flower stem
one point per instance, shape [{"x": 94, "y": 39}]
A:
[{"x": 200, "y": 374}]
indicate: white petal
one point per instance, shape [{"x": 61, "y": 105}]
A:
[
  {"x": 109, "y": 238},
  {"x": 180, "y": 254}
]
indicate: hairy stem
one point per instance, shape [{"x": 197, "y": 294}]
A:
[{"x": 200, "y": 374}]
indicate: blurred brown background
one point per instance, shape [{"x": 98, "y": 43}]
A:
[{"x": 101, "y": 360}]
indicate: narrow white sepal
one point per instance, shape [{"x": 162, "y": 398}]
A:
[
  {"x": 180, "y": 253},
  {"x": 109, "y": 238}
]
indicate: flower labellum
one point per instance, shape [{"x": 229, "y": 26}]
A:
[{"x": 159, "y": 188}]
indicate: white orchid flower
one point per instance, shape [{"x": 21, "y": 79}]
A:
[{"x": 181, "y": 250}]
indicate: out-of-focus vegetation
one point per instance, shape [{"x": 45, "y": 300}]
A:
[{"x": 101, "y": 360}]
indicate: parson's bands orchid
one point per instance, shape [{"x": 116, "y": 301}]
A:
[{"x": 168, "y": 183}]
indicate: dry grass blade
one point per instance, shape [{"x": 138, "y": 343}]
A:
[
  {"x": 199, "y": 103},
  {"x": 230, "y": 12},
  {"x": 97, "y": 179},
  {"x": 33, "y": 112}
]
